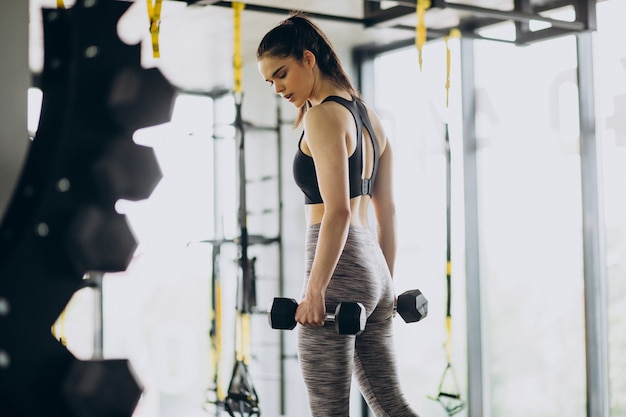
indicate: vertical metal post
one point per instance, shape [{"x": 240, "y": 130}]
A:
[
  {"x": 96, "y": 281},
  {"x": 593, "y": 238},
  {"x": 15, "y": 75},
  {"x": 281, "y": 279},
  {"x": 476, "y": 380}
]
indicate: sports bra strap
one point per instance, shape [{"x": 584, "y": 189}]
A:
[{"x": 367, "y": 184}]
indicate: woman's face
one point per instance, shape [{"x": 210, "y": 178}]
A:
[{"x": 292, "y": 79}]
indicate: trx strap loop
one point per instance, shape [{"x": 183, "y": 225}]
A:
[
  {"x": 420, "y": 29},
  {"x": 60, "y": 4},
  {"x": 154, "y": 15}
]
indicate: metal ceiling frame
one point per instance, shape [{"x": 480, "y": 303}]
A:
[
  {"x": 474, "y": 18},
  {"x": 524, "y": 11}
]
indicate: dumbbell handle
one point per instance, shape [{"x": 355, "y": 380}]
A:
[{"x": 329, "y": 317}]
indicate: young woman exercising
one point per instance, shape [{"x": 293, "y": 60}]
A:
[{"x": 343, "y": 162}]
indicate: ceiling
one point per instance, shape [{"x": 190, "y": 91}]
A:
[{"x": 196, "y": 40}]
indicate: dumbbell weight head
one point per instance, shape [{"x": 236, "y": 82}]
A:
[
  {"x": 350, "y": 318},
  {"x": 282, "y": 313},
  {"x": 412, "y": 306}
]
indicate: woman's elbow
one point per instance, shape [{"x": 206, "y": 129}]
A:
[{"x": 339, "y": 214}]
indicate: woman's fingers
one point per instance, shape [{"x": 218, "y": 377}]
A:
[{"x": 309, "y": 315}]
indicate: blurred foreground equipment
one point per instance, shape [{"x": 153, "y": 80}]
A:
[{"x": 61, "y": 221}]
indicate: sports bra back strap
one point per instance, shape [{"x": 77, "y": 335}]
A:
[
  {"x": 365, "y": 121},
  {"x": 367, "y": 184}
]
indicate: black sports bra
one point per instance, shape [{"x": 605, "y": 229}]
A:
[{"x": 304, "y": 166}]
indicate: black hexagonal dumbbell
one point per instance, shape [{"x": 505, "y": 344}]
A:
[
  {"x": 412, "y": 306},
  {"x": 349, "y": 317},
  {"x": 101, "y": 388}
]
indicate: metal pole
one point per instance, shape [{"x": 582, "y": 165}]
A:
[
  {"x": 593, "y": 239},
  {"x": 476, "y": 380},
  {"x": 96, "y": 280},
  {"x": 281, "y": 279},
  {"x": 15, "y": 73}
]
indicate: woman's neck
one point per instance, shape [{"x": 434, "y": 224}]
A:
[
  {"x": 323, "y": 88},
  {"x": 332, "y": 92}
]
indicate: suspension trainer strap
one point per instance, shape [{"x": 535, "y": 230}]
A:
[
  {"x": 215, "y": 394},
  {"x": 60, "y": 324},
  {"x": 448, "y": 391},
  {"x": 420, "y": 28},
  {"x": 242, "y": 398},
  {"x": 154, "y": 16},
  {"x": 454, "y": 33},
  {"x": 237, "y": 55}
]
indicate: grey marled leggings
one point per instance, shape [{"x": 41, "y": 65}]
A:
[{"x": 328, "y": 359}]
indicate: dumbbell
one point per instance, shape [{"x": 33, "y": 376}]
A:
[
  {"x": 412, "y": 306},
  {"x": 349, "y": 317}
]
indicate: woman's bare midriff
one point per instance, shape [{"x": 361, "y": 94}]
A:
[{"x": 358, "y": 208}]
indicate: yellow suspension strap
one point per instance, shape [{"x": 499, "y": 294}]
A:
[
  {"x": 242, "y": 399},
  {"x": 60, "y": 323},
  {"x": 215, "y": 393},
  {"x": 449, "y": 396},
  {"x": 154, "y": 16},
  {"x": 420, "y": 29},
  {"x": 454, "y": 33},
  {"x": 60, "y": 4},
  {"x": 218, "y": 341},
  {"x": 237, "y": 54}
]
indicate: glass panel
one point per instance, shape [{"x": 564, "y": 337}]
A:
[
  {"x": 412, "y": 105},
  {"x": 611, "y": 98},
  {"x": 530, "y": 227}
]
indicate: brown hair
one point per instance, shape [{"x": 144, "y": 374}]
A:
[{"x": 297, "y": 34}]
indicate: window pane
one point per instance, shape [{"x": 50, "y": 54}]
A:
[
  {"x": 611, "y": 98},
  {"x": 412, "y": 104},
  {"x": 530, "y": 227}
]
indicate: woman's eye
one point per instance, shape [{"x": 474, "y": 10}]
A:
[{"x": 283, "y": 75}]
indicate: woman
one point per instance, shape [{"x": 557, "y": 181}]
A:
[{"x": 343, "y": 162}]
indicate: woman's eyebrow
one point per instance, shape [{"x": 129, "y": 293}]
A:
[{"x": 277, "y": 71}]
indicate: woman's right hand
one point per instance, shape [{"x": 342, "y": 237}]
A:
[{"x": 311, "y": 311}]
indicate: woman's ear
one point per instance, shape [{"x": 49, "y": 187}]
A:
[{"x": 308, "y": 58}]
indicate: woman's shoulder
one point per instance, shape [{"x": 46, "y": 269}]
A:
[{"x": 328, "y": 114}]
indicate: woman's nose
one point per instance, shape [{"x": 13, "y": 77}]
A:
[{"x": 278, "y": 88}]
